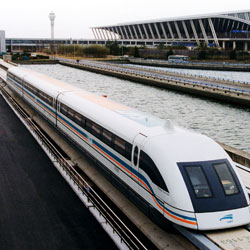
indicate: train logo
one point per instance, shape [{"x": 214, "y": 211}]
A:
[{"x": 228, "y": 217}]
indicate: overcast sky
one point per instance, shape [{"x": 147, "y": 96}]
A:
[{"x": 29, "y": 18}]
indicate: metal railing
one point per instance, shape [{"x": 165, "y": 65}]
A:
[
  {"x": 125, "y": 234},
  {"x": 200, "y": 76},
  {"x": 157, "y": 76}
]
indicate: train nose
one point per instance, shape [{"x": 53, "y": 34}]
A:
[
  {"x": 223, "y": 219},
  {"x": 213, "y": 187}
]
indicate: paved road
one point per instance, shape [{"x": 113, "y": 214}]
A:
[{"x": 38, "y": 210}]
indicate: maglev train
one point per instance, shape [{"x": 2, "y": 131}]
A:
[{"x": 172, "y": 174}]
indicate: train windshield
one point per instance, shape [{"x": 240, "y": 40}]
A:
[
  {"x": 212, "y": 185},
  {"x": 226, "y": 178},
  {"x": 198, "y": 181}
]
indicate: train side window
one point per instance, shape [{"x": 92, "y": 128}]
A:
[
  {"x": 107, "y": 137},
  {"x": 89, "y": 126},
  {"x": 33, "y": 90},
  {"x": 30, "y": 88},
  {"x": 128, "y": 151},
  {"x": 120, "y": 145},
  {"x": 17, "y": 79},
  {"x": 199, "y": 181},
  {"x": 135, "y": 155},
  {"x": 83, "y": 122},
  {"x": 226, "y": 179},
  {"x": 50, "y": 100},
  {"x": 71, "y": 113},
  {"x": 10, "y": 75},
  {"x": 78, "y": 119},
  {"x": 96, "y": 130},
  {"x": 39, "y": 94},
  {"x": 63, "y": 109},
  {"x": 27, "y": 86},
  {"x": 149, "y": 167}
]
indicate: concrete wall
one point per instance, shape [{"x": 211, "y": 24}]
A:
[
  {"x": 2, "y": 42},
  {"x": 237, "y": 155}
]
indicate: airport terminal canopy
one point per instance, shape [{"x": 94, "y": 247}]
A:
[{"x": 211, "y": 29}]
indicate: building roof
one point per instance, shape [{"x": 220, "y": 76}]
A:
[{"x": 169, "y": 19}]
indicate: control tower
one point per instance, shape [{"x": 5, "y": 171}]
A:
[
  {"x": 52, "y": 17},
  {"x": 2, "y": 42}
]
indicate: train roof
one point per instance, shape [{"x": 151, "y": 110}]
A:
[
  {"x": 5, "y": 65},
  {"x": 43, "y": 82},
  {"x": 186, "y": 146},
  {"x": 123, "y": 120},
  {"x": 115, "y": 116}
]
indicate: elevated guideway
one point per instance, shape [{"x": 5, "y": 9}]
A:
[
  {"x": 222, "y": 66},
  {"x": 230, "y": 92}
]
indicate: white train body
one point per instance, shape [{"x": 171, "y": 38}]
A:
[{"x": 169, "y": 172}]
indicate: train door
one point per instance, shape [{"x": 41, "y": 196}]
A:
[
  {"x": 22, "y": 91},
  {"x": 138, "y": 142},
  {"x": 57, "y": 109},
  {"x": 57, "y": 104},
  {"x": 137, "y": 145}
]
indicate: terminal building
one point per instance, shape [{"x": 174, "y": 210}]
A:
[
  {"x": 39, "y": 44},
  {"x": 229, "y": 30},
  {"x": 222, "y": 30}
]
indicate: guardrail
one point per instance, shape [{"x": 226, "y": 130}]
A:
[
  {"x": 190, "y": 62},
  {"x": 224, "y": 66},
  {"x": 166, "y": 70},
  {"x": 110, "y": 217}
]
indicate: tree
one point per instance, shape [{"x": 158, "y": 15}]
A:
[
  {"x": 203, "y": 46},
  {"x": 169, "y": 53},
  {"x": 161, "y": 46},
  {"x": 136, "y": 52},
  {"x": 232, "y": 55},
  {"x": 202, "y": 54},
  {"x": 114, "y": 48}
]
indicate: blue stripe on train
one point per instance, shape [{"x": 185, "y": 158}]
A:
[{"x": 129, "y": 168}]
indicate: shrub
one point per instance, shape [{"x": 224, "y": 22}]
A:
[
  {"x": 79, "y": 50},
  {"x": 169, "y": 53},
  {"x": 202, "y": 55},
  {"x": 232, "y": 55}
]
